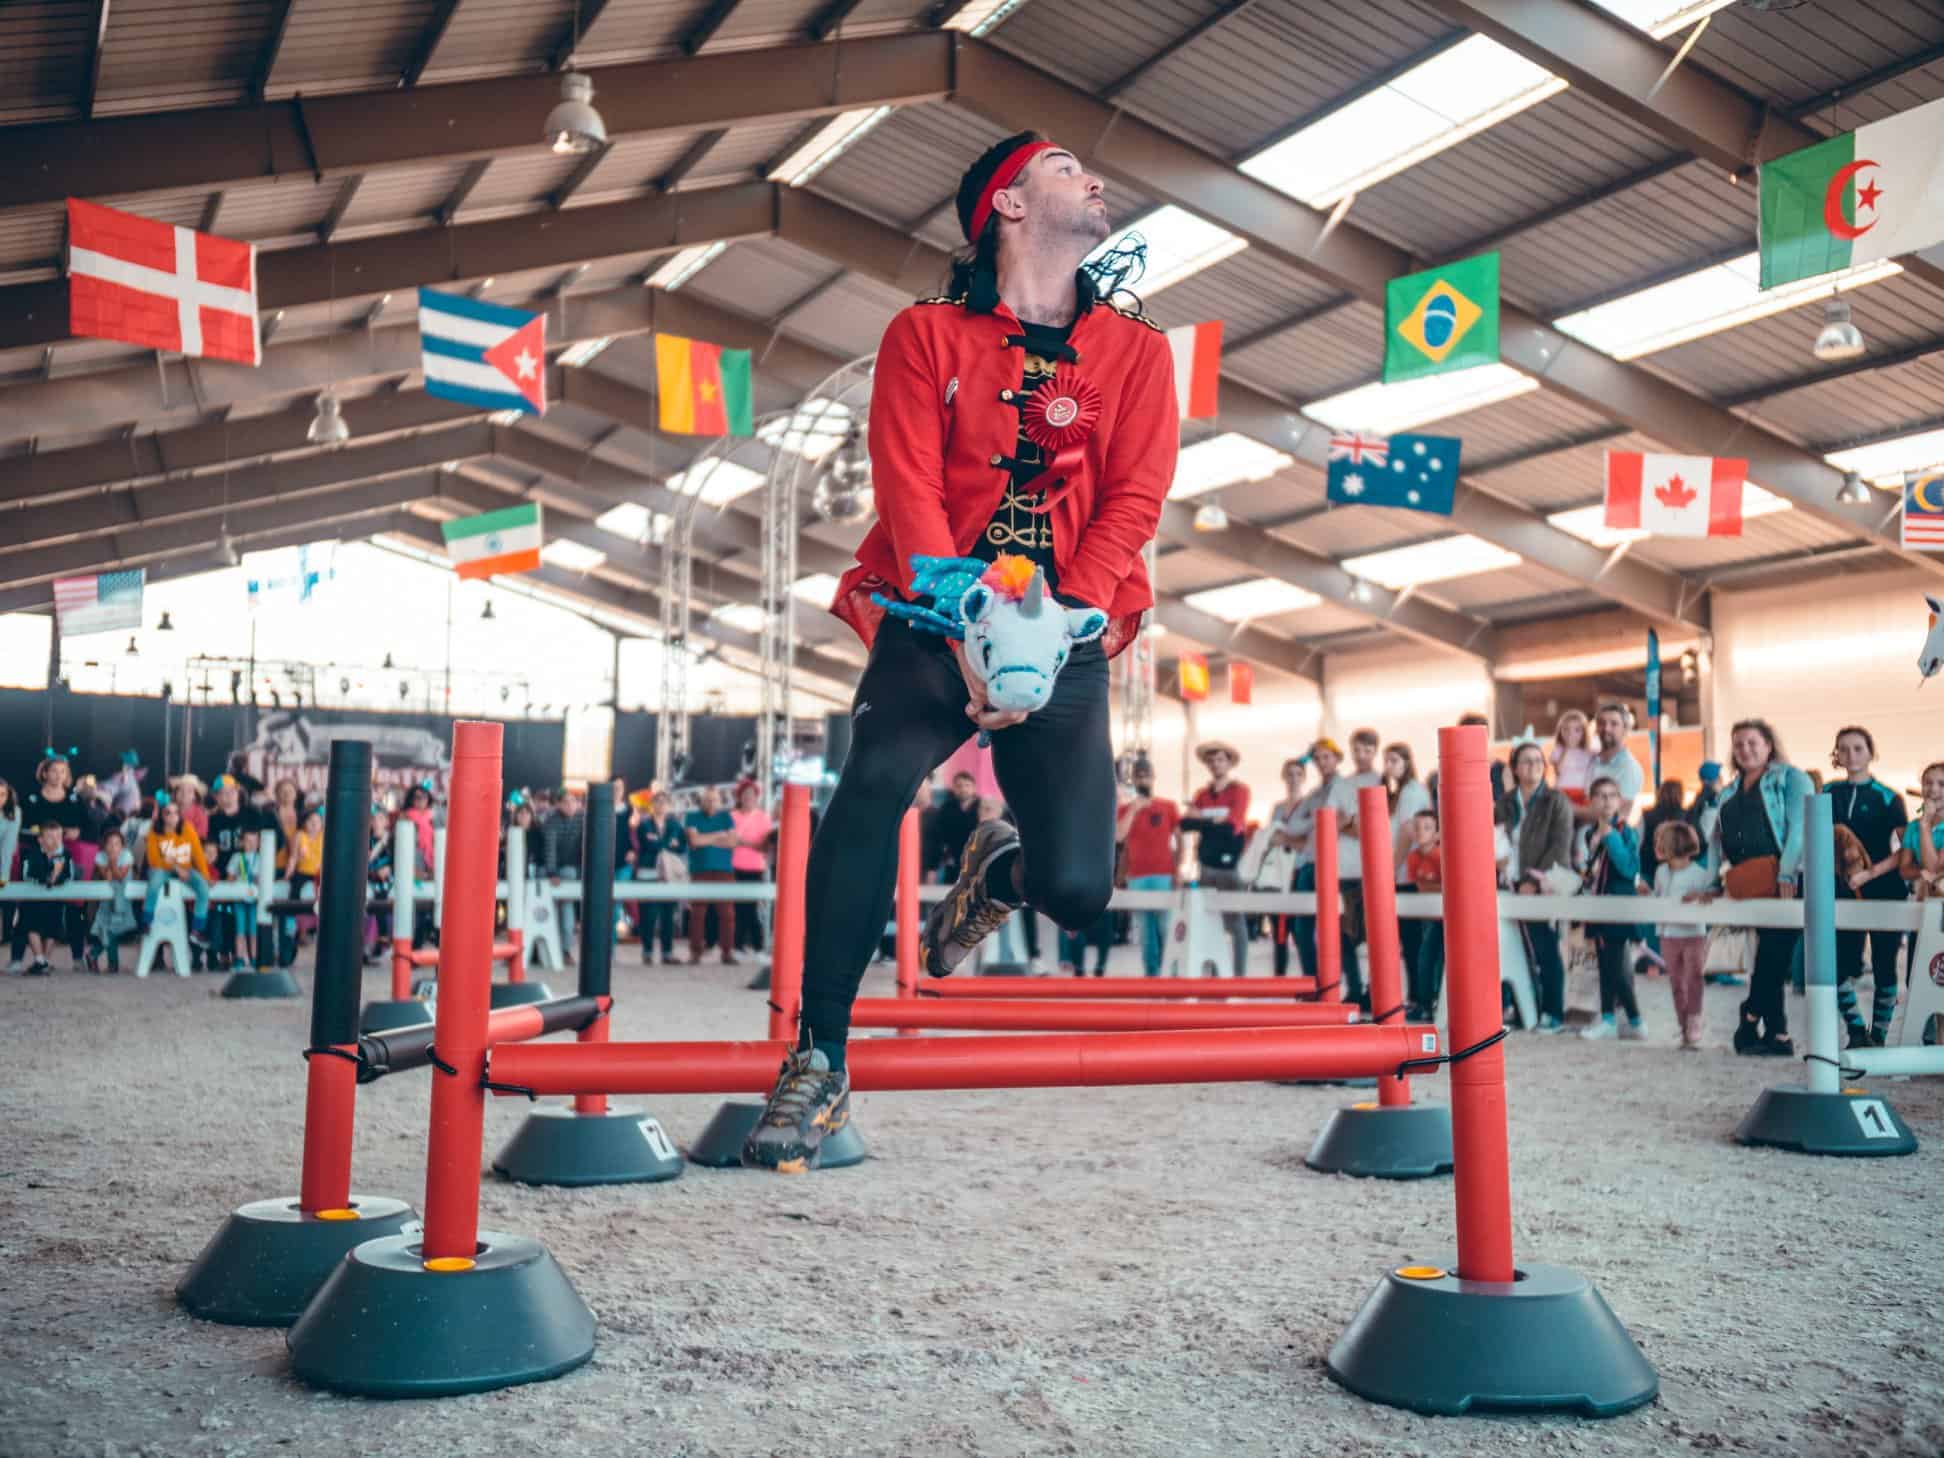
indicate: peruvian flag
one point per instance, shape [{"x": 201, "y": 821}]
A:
[
  {"x": 1675, "y": 496},
  {"x": 1197, "y": 350},
  {"x": 154, "y": 284}
]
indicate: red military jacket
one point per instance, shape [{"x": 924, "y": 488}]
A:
[{"x": 940, "y": 435}]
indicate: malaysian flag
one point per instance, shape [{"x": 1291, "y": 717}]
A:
[
  {"x": 98, "y": 604},
  {"x": 1923, "y": 510},
  {"x": 1360, "y": 450}
]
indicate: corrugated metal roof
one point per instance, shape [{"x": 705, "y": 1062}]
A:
[
  {"x": 520, "y": 179},
  {"x": 1563, "y": 148},
  {"x": 1558, "y": 481},
  {"x": 1334, "y": 352},
  {"x": 1766, "y": 536},
  {"x": 849, "y": 317},
  {"x": 497, "y": 36},
  {"x": 348, "y": 45},
  {"x": 43, "y": 46},
  {"x": 1247, "y": 292},
  {"x": 1788, "y": 56},
  {"x": 630, "y": 166},
  {"x": 632, "y": 30},
  {"x": 204, "y": 52},
  {"x": 1483, "y": 592},
  {"x": 909, "y": 162},
  {"x": 1874, "y": 403},
  {"x": 759, "y": 277},
  {"x": 402, "y": 195},
  {"x": 746, "y": 148},
  {"x": 1095, "y": 44}
]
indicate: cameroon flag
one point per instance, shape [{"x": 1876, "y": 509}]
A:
[{"x": 704, "y": 388}]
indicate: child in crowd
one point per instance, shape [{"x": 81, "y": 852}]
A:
[
  {"x": 43, "y": 923},
  {"x": 1612, "y": 868},
  {"x": 243, "y": 868},
  {"x": 1680, "y": 874},
  {"x": 175, "y": 852},
  {"x": 1921, "y": 858},
  {"x": 1424, "y": 870},
  {"x": 306, "y": 869},
  {"x": 378, "y": 880},
  {"x": 113, "y": 918}
]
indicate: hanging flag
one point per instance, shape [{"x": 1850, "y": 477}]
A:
[
  {"x": 1193, "y": 672},
  {"x": 154, "y": 284},
  {"x": 494, "y": 542},
  {"x": 1872, "y": 193},
  {"x": 483, "y": 354},
  {"x": 1675, "y": 496},
  {"x": 704, "y": 388},
  {"x": 1197, "y": 350},
  {"x": 295, "y": 576},
  {"x": 1442, "y": 319},
  {"x": 1241, "y": 682},
  {"x": 1416, "y": 472},
  {"x": 1653, "y": 706},
  {"x": 98, "y": 604},
  {"x": 1923, "y": 510}
]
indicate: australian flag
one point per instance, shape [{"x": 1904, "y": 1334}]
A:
[{"x": 1416, "y": 472}]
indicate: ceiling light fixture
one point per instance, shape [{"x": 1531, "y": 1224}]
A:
[
  {"x": 1210, "y": 518},
  {"x": 1840, "y": 339},
  {"x": 574, "y": 127},
  {"x": 1853, "y": 491},
  {"x": 165, "y": 626},
  {"x": 328, "y": 429}
]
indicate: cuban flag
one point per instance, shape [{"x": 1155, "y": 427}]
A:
[{"x": 483, "y": 354}]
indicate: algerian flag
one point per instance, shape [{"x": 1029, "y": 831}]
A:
[
  {"x": 507, "y": 540},
  {"x": 1876, "y": 192}
]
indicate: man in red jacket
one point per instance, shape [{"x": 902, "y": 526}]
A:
[{"x": 1023, "y": 413}]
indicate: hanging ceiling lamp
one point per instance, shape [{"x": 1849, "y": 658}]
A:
[{"x": 328, "y": 429}]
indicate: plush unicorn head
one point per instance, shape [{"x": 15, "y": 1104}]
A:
[
  {"x": 1932, "y": 657},
  {"x": 1017, "y": 637}
]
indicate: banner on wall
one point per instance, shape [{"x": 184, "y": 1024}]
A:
[{"x": 291, "y": 745}]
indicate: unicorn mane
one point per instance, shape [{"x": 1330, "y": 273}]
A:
[{"x": 1009, "y": 576}]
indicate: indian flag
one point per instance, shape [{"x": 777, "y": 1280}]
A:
[
  {"x": 1197, "y": 351},
  {"x": 704, "y": 388},
  {"x": 495, "y": 541},
  {"x": 1877, "y": 192}
]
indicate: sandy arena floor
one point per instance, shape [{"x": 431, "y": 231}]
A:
[{"x": 1110, "y": 1272}]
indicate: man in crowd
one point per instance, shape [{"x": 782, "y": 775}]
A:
[
  {"x": 1219, "y": 814},
  {"x": 1343, "y": 800},
  {"x": 560, "y": 854},
  {"x": 951, "y": 826},
  {"x": 1149, "y": 834},
  {"x": 1326, "y": 755},
  {"x": 1614, "y": 762},
  {"x": 712, "y": 842}
]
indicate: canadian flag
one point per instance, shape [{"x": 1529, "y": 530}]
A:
[
  {"x": 165, "y": 287},
  {"x": 1675, "y": 496}
]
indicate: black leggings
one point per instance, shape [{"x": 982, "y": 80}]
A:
[
  {"x": 1056, "y": 769},
  {"x": 1616, "y": 978},
  {"x": 1768, "y": 983}
]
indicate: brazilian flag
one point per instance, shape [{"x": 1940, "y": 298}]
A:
[{"x": 1443, "y": 319}]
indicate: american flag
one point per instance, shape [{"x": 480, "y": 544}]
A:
[
  {"x": 98, "y": 604},
  {"x": 1923, "y": 510},
  {"x": 1360, "y": 450}
]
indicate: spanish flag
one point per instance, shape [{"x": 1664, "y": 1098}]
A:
[{"x": 704, "y": 388}]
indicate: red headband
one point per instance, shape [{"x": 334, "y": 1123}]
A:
[{"x": 1003, "y": 176}]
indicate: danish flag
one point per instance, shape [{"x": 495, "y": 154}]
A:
[{"x": 161, "y": 286}]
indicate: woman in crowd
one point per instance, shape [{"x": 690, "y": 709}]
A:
[
  {"x": 1921, "y": 859},
  {"x": 1291, "y": 820},
  {"x": 1539, "y": 821},
  {"x": 9, "y": 850},
  {"x": 1326, "y": 754},
  {"x": 1758, "y": 855},
  {"x": 1407, "y": 796},
  {"x": 52, "y": 800},
  {"x": 1612, "y": 868},
  {"x": 660, "y": 851},
  {"x": 750, "y": 862},
  {"x": 418, "y": 811},
  {"x": 1572, "y": 756},
  {"x": 1874, "y": 813},
  {"x": 187, "y": 791}
]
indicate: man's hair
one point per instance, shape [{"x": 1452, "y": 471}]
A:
[
  {"x": 973, "y": 183},
  {"x": 1604, "y": 782},
  {"x": 980, "y": 257},
  {"x": 1427, "y": 814},
  {"x": 1620, "y": 709},
  {"x": 1365, "y": 736}
]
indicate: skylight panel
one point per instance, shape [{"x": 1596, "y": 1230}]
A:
[
  {"x": 1884, "y": 463},
  {"x": 586, "y": 352},
  {"x": 1434, "y": 561},
  {"x": 831, "y": 141},
  {"x": 720, "y": 483},
  {"x": 982, "y": 17},
  {"x": 685, "y": 265},
  {"x": 817, "y": 589},
  {"x": 747, "y": 616},
  {"x": 1386, "y": 409},
  {"x": 813, "y": 430},
  {"x": 1588, "y": 523},
  {"x": 1661, "y": 18},
  {"x": 571, "y": 555},
  {"x": 1223, "y": 460},
  {"x": 1179, "y": 246},
  {"x": 634, "y": 521},
  {"x": 1261, "y": 597},
  {"x": 1456, "y": 94},
  {"x": 1704, "y": 302}
]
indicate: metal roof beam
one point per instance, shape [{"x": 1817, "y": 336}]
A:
[
  {"x": 577, "y": 179},
  {"x": 45, "y": 162},
  {"x": 1283, "y": 654},
  {"x": 586, "y": 12},
  {"x": 845, "y": 236},
  {"x": 1010, "y": 92},
  {"x": 827, "y": 21},
  {"x": 707, "y": 22},
  {"x": 446, "y": 254},
  {"x": 340, "y": 205},
  {"x": 273, "y": 40},
  {"x": 428, "y": 41},
  {"x": 1226, "y": 12},
  {"x": 97, "y": 47},
  {"x": 463, "y": 189},
  {"x": 691, "y": 158}
]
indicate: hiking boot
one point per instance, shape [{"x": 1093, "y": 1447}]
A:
[
  {"x": 808, "y": 1104},
  {"x": 1859, "y": 1036},
  {"x": 956, "y": 925}
]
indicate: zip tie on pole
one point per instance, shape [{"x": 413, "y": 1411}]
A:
[
  {"x": 357, "y": 1058},
  {"x": 1388, "y": 1014},
  {"x": 1843, "y": 1069},
  {"x": 1459, "y": 1057},
  {"x": 432, "y": 1057},
  {"x": 509, "y": 1088}
]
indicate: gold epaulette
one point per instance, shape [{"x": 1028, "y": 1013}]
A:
[
  {"x": 941, "y": 299},
  {"x": 1135, "y": 314}
]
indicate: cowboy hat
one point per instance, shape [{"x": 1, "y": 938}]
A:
[{"x": 1202, "y": 751}]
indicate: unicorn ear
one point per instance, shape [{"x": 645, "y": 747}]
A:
[
  {"x": 976, "y": 604},
  {"x": 1085, "y": 624},
  {"x": 1937, "y": 609}
]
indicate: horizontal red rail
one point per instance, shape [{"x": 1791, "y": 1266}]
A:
[
  {"x": 1287, "y": 988},
  {"x": 1232, "y": 1055},
  {"x": 1038, "y": 1016},
  {"x": 429, "y": 956}
]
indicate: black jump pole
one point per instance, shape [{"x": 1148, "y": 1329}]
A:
[
  {"x": 597, "y": 893},
  {"x": 337, "y": 986}
]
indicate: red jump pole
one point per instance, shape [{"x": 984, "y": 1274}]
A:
[
  {"x": 910, "y": 853},
  {"x": 1380, "y": 926},
  {"x": 1235, "y": 1055},
  {"x": 454, "y": 1148},
  {"x": 401, "y": 990},
  {"x": 786, "y": 944},
  {"x": 1482, "y": 1165},
  {"x": 1092, "y": 988},
  {"x": 1329, "y": 914},
  {"x": 1001, "y": 1016}
]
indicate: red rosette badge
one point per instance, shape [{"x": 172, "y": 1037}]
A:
[{"x": 1061, "y": 413}]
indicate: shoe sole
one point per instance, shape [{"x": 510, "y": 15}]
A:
[
  {"x": 970, "y": 874},
  {"x": 752, "y": 1154}
]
